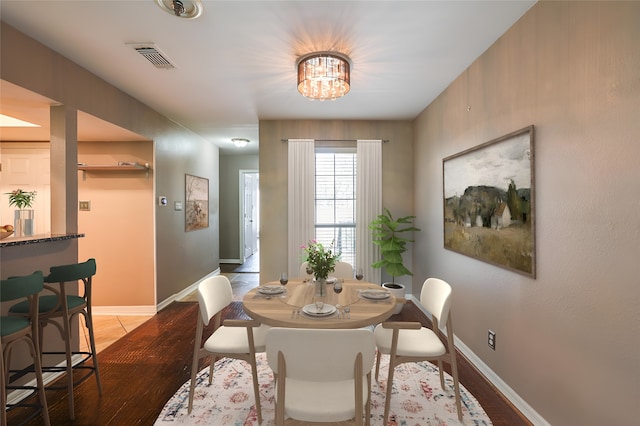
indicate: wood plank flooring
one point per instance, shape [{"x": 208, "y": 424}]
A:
[{"x": 145, "y": 367}]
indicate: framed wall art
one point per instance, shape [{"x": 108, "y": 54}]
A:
[
  {"x": 489, "y": 202},
  {"x": 197, "y": 200}
]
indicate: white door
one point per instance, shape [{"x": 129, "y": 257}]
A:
[
  {"x": 26, "y": 166},
  {"x": 250, "y": 196}
]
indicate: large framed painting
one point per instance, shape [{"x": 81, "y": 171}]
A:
[
  {"x": 197, "y": 198},
  {"x": 489, "y": 203}
]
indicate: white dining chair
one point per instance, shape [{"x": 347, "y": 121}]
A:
[
  {"x": 410, "y": 342},
  {"x": 343, "y": 270},
  {"x": 321, "y": 375},
  {"x": 303, "y": 270},
  {"x": 238, "y": 339}
]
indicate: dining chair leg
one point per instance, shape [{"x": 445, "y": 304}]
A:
[
  {"x": 67, "y": 346},
  {"x": 377, "y": 365},
  {"x": 37, "y": 365},
  {"x": 368, "y": 406},
  {"x": 92, "y": 342},
  {"x": 3, "y": 390},
  {"x": 256, "y": 388},
  {"x": 387, "y": 401}
]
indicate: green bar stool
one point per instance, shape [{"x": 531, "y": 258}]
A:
[
  {"x": 14, "y": 329},
  {"x": 62, "y": 306}
]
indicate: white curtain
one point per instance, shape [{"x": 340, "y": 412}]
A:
[
  {"x": 301, "y": 200},
  {"x": 368, "y": 205}
]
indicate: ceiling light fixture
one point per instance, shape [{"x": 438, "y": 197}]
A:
[
  {"x": 240, "y": 142},
  {"x": 187, "y": 9},
  {"x": 324, "y": 75}
]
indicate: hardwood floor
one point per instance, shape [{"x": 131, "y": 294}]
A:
[{"x": 145, "y": 367}]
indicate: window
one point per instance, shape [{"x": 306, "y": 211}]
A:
[{"x": 335, "y": 200}]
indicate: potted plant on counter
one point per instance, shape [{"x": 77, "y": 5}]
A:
[
  {"x": 388, "y": 234},
  {"x": 23, "y": 218}
]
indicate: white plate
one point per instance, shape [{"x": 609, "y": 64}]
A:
[
  {"x": 329, "y": 280},
  {"x": 326, "y": 310},
  {"x": 375, "y": 294},
  {"x": 271, "y": 289}
]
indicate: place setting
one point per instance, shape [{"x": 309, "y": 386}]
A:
[{"x": 375, "y": 295}]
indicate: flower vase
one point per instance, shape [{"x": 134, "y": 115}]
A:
[
  {"x": 23, "y": 222},
  {"x": 321, "y": 289}
]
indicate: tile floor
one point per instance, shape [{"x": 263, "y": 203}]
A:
[{"x": 108, "y": 329}]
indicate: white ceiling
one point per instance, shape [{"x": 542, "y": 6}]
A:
[{"x": 235, "y": 64}]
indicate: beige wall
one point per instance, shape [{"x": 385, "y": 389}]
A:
[
  {"x": 182, "y": 258},
  {"x": 121, "y": 211},
  {"x": 397, "y": 176},
  {"x": 567, "y": 341}
]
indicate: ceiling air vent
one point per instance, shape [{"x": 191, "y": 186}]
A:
[{"x": 152, "y": 54}]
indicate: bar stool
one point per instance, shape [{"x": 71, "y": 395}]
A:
[
  {"x": 15, "y": 329},
  {"x": 64, "y": 307}
]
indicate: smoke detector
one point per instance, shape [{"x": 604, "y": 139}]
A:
[
  {"x": 187, "y": 9},
  {"x": 152, "y": 54}
]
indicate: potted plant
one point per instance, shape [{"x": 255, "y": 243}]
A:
[
  {"x": 23, "y": 219},
  {"x": 322, "y": 261},
  {"x": 387, "y": 234}
]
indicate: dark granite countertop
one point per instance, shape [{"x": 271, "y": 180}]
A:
[{"x": 37, "y": 239}]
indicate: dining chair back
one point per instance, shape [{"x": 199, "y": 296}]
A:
[
  {"x": 343, "y": 270},
  {"x": 410, "y": 342},
  {"x": 322, "y": 375},
  {"x": 15, "y": 329},
  {"x": 303, "y": 270},
  {"x": 59, "y": 309},
  {"x": 238, "y": 339}
]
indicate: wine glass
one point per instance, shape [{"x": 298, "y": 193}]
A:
[
  {"x": 319, "y": 302},
  {"x": 359, "y": 274},
  {"x": 337, "y": 287},
  {"x": 284, "y": 278}
]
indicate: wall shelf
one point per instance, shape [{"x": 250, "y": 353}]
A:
[{"x": 123, "y": 167}]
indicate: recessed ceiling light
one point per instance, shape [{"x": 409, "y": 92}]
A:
[
  {"x": 240, "y": 142},
  {"x": 6, "y": 121}
]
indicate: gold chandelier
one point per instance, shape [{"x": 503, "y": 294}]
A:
[{"x": 324, "y": 75}]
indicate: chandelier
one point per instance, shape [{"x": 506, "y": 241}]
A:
[{"x": 324, "y": 75}]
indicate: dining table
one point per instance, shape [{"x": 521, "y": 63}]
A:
[{"x": 359, "y": 304}]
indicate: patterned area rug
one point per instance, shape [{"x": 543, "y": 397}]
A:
[{"x": 417, "y": 398}]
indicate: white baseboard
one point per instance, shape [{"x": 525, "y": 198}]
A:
[
  {"x": 140, "y": 310},
  {"x": 526, "y": 410},
  {"x": 231, "y": 261},
  {"x": 186, "y": 291},
  {"x": 17, "y": 395}
]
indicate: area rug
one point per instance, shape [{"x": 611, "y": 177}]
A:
[{"x": 417, "y": 398}]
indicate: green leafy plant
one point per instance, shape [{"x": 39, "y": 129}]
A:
[
  {"x": 20, "y": 198},
  {"x": 321, "y": 259},
  {"x": 386, "y": 234}
]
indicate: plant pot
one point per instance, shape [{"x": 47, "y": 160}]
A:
[
  {"x": 397, "y": 290},
  {"x": 23, "y": 222}
]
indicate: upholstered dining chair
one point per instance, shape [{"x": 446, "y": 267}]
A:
[
  {"x": 410, "y": 342},
  {"x": 303, "y": 270},
  {"x": 58, "y": 309},
  {"x": 322, "y": 375},
  {"x": 238, "y": 339},
  {"x": 16, "y": 329},
  {"x": 343, "y": 270}
]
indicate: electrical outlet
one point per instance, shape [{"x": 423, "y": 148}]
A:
[{"x": 491, "y": 340}]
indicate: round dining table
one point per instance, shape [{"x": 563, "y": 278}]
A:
[{"x": 360, "y": 304}]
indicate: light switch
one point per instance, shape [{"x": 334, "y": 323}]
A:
[
  {"x": 177, "y": 206},
  {"x": 84, "y": 206}
]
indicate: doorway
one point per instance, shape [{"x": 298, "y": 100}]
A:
[{"x": 249, "y": 214}]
